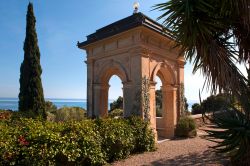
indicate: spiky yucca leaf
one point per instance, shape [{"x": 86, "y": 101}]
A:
[{"x": 231, "y": 132}]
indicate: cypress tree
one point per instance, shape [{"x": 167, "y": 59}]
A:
[{"x": 31, "y": 98}]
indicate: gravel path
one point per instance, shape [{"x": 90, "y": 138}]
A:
[{"x": 178, "y": 152}]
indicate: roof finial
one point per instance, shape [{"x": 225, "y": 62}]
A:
[{"x": 136, "y": 6}]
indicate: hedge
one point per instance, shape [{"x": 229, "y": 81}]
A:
[
  {"x": 87, "y": 142},
  {"x": 186, "y": 127}
]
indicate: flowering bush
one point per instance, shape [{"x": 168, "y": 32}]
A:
[{"x": 87, "y": 142}]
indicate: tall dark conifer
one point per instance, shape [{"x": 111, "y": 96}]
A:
[{"x": 31, "y": 98}]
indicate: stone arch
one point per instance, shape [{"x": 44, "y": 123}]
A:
[
  {"x": 102, "y": 78},
  {"x": 165, "y": 73},
  {"x": 109, "y": 69}
]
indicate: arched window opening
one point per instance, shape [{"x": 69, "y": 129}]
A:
[
  {"x": 158, "y": 97},
  {"x": 115, "y": 97}
]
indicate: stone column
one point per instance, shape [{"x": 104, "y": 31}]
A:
[
  {"x": 170, "y": 110},
  {"x": 100, "y": 100},
  {"x": 152, "y": 112},
  {"x": 128, "y": 94},
  {"x": 90, "y": 93},
  {"x": 180, "y": 79},
  {"x": 104, "y": 101}
]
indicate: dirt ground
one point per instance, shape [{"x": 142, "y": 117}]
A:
[{"x": 178, "y": 152}]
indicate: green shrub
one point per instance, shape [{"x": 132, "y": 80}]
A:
[
  {"x": 216, "y": 103},
  {"x": 88, "y": 142},
  {"x": 50, "y": 117},
  {"x": 50, "y": 107},
  {"x": 213, "y": 103},
  {"x": 186, "y": 127},
  {"x": 196, "y": 109},
  {"x": 116, "y": 113},
  {"x": 16, "y": 115},
  {"x": 158, "y": 111},
  {"x": 69, "y": 113},
  {"x": 30, "y": 142},
  {"x": 117, "y": 104},
  {"x": 64, "y": 113},
  {"x": 158, "y": 101},
  {"x": 143, "y": 135},
  {"x": 118, "y": 139}
]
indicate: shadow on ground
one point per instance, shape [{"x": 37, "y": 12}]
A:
[{"x": 207, "y": 158}]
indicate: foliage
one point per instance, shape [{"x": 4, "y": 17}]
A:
[
  {"x": 158, "y": 100},
  {"x": 183, "y": 101},
  {"x": 116, "y": 113},
  {"x": 212, "y": 104},
  {"x": 5, "y": 114},
  {"x": 208, "y": 32},
  {"x": 69, "y": 113},
  {"x": 186, "y": 111},
  {"x": 33, "y": 142},
  {"x": 137, "y": 104},
  {"x": 141, "y": 105},
  {"x": 117, "y": 138},
  {"x": 145, "y": 98},
  {"x": 186, "y": 127},
  {"x": 64, "y": 113},
  {"x": 158, "y": 111},
  {"x": 143, "y": 135},
  {"x": 235, "y": 137},
  {"x": 87, "y": 142},
  {"x": 31, "y": 96},
  {"x": 196, "y": 109},
  {"x": 216, "y": 103},
  {"x": 50, "y": 107},
  {"x": 118, "y": 104}
]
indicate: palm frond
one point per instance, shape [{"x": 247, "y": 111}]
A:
[
  {"x": 204, "y": 35},
  {"x": 215, "y": 35}
]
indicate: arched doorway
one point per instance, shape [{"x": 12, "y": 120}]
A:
[
  {"x": 159, "y": 107},
  {"x": 101, "y": 88},
  {"x": 115, "y": 96},
  {"x": 167, "y": 117}
]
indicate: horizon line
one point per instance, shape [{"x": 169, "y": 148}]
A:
[{"x": 51, "y": 98}]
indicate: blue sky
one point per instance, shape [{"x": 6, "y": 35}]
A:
[{"x": 60, "y": 24}]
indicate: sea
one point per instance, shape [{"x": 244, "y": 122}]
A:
[{"x": 12, "y": 103}]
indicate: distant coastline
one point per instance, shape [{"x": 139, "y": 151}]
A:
[{"x": 12, "y": 103}]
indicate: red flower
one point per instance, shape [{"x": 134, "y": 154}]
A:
[{"x": 23, "y": 141}]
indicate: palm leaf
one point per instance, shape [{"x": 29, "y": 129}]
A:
[{"x": 215, "y": 35}]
